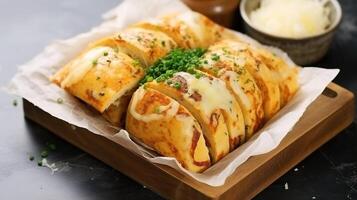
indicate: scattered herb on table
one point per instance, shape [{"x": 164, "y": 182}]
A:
[
  {"x": 39, "y": 163},
  {"x": 44, "y": 154},
  {"x": 14, "y": 102}
]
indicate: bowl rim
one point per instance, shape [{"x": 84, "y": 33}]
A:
[{"x": 332, "y": 28}]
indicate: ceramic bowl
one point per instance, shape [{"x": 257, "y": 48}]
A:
[{"x": 302, "y": 51}]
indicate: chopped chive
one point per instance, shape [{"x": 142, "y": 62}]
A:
[
  {"x": 14, "y": 102},
  {"x": 157, "y": 110},
  {"x": 215, "y": 57},
  {"x": 31, "y": 158},
  {"x": 39, "y": 163},
  {"x": 95, "y": 62},
  {"x": 52, "y": 147},
  {"x": 178, "y": 60},
  {"x": 59, "y": 100},
  {"x": 44, "y": 153},
  {"x": 177, "y": 85},
  {"x": 105, "y": 53}
]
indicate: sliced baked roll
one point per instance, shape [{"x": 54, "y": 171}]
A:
[
  {"x": 102, "y": 77},
  {"x": 220, "y": 62},
  {"x": 145, "y": 45},
  {"x": 262, "y": 75},
  {"x": 188, "y": 29},
  {"x": 209, "y": 101},
  {"x": 163, "y": 124},
  {"x": 176, "y": 29},
  {"x": 286, "y": 75}
]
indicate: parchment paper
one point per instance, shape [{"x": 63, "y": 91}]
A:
[{"x": 31, "y": 82}]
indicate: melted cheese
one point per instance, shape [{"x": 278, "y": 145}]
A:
[
  {"x": 207, "y": 88},
  {"x": 171, "y": 109}
]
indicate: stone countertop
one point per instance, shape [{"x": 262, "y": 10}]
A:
[{"x": 28, "y": 26}]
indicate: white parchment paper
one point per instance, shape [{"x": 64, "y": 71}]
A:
[{"x": 32, "y": 83}]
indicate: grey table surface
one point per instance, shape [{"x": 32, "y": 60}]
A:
[{"x": 26, "y": 27}]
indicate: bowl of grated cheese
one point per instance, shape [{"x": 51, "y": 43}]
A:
[{"x": 302, "y": 28}]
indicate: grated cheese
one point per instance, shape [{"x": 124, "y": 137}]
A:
[{"x": 291, "y": 18}]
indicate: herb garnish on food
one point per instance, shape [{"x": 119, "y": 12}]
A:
[{"x": 178, "y": 60}]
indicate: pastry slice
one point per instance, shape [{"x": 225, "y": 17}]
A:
[
  {"x": 188, "y": 29},
  {"x": 168, "y": 127},
  {"x": 286, "y": 75},
  {"x": 103, "y": 77},
  {"x": 212, "y": 105},
  {"x": 219, "y": 61},
  {"x": 266, "y": 82},
  {"x": 146, "y": 45}
]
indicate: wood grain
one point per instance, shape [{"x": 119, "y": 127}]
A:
[{"x": 330, "y": 113}]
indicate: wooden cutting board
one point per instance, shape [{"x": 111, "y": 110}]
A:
[{"x": 329, "y": 114}]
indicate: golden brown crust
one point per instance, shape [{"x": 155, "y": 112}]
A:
[
  {"x": 220, "y": 116},
  {"x": 100, "y": 79}
]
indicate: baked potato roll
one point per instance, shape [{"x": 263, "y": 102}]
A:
[
  {"x": 188, "y": 29},
  {"x": 101, "y": 76},
  {"x": 209, "y": 101},
  {"x": 163, "y": 124},
  {"x": 220, "y": 62},
  {"x": 262, "y": 75}
]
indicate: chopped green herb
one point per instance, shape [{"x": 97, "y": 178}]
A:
[
  {"x": 44, "y": 153},
  {"x": 178, "y": 60},
  {"x": 205, "y": 62},
  {"x": 14, "y": 102},
  {"x": 139, "y": 39},
  {"x": 157, "y": 109},
  {"x": 198, "y": 75},
  {"x": 215, "y": 57},
  {"x": 39, "y": 163},
  {"x": 116, "y": 49},
  {"x": 31, "y": 158},
  {"x": 52, "y": 147},
  {"x": 177, "y": 85},
  {"x": 95, "y": 62},
  {"x": 163, "y": 43},
  {"x": 215, "y": 71},
  {"x": 105, "y": 53},
  {"x": 59, "y": 100},
  {"x": 98, "y": 78},
  {"x": 136, "y": 63},
  {"x": 101, "y": 94}
]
